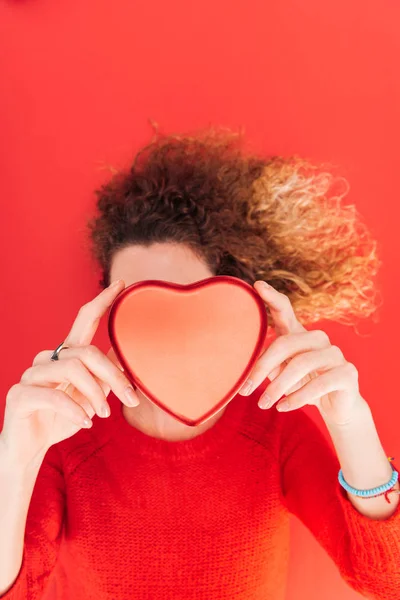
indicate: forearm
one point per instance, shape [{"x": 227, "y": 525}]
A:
[
  {"x": 364, "y": 463},
  {"x": 16, "y": 484}
]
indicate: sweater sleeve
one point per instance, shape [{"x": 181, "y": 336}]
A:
[
  {"x": 43, "y": 530},
  {"x": 366, "y": 551}
]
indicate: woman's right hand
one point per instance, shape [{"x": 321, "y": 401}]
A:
[{"x": 53, "y": 398}]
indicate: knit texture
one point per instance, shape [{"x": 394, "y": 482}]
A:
[{"x": 118, "y": 514}]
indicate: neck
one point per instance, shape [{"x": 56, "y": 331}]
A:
[{"x": 151, "y": 420}]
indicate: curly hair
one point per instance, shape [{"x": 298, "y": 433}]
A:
[{"x": 273, "y": 218}]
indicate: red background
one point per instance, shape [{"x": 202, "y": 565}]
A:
[{"x": 80, "y": 81}]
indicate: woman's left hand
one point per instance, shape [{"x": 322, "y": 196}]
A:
[{"x": 305, "y": 366}]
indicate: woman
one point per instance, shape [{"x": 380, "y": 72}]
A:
[{"x": 139, "y": 505}]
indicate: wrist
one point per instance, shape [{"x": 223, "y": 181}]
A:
[{"x": 16, "y": 461}]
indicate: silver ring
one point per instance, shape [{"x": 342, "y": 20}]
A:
[{"x": 57, "y": 351}]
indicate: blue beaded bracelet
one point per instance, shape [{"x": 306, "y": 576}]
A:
[{"x": 369, "y": 493}]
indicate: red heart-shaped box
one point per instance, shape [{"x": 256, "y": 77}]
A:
[{"x": 188, "y": 348}]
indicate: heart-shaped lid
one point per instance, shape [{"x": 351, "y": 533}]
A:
[{"x": 188, "y": 348}]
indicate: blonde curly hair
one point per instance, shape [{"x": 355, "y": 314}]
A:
[{"x": 272, "y": 218}]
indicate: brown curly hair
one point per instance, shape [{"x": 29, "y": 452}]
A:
[{"x": 272, "y": 218}]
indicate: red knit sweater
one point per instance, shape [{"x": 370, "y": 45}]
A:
[{"x": 117, "y": 514}]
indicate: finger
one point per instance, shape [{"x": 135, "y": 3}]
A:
[
  {"x": 102, "y": 367},
  {"x": 44, "y": 357},
  {"x": 284, "y": 348},
  {"x": 25, "y": 400},
  {"x": 281, "y": 309},
  {"x": 299, "y": 370},
  {"x": 89, "y": 315},
  {"x": 334, "y": 380},
  {"x": 78, "y": 397},
  {"x": 69, "y": 371},
  {"x": 113, "y": 357}
]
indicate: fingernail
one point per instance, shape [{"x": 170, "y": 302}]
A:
[
  {"x": 265, "y": 401},
  {"x": 105, "y": 411},
  {"x": 131, "y": 397},
  {"x": 246, "y": 389},
  {"x": 115, "y": 283}
]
